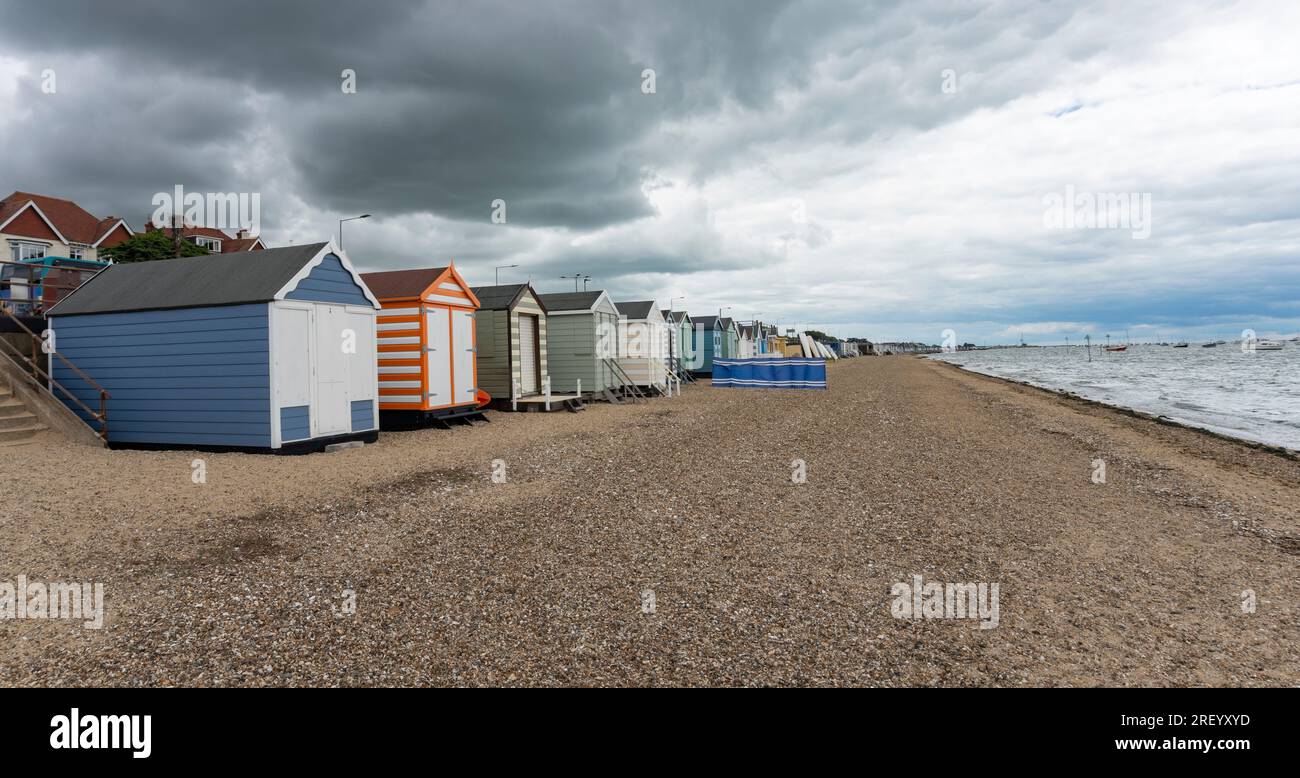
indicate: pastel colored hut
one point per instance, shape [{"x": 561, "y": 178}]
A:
[
  {"x": 730, "y": 342},
  {"x": 583, "y": 340},
  {"x": 427, "y": 367},
  {"x": 706, "y": 339},
  {"x": 771, "y": 341},
  {"x": 643, "y": 344},
  {"x": 681, "y": 345},
  {"x": 512, "y": 338},
  {"x": 270, "y": 350},
  {"x": 746, "y": 345}
]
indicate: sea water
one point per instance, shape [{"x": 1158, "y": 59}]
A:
[{"x": 1254, "y": 395}]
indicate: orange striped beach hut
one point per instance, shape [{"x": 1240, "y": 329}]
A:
[{"x": 428, "y": 371}]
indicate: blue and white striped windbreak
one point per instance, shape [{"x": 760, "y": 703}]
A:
[{"x": 780, "y": 373}]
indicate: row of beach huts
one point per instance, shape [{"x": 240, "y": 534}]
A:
[{"x": 292, "y": 349}]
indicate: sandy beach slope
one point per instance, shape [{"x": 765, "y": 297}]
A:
[{"x": 913, "y": 468}]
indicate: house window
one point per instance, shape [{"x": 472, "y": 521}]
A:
[
  {"x": 211, "y": 244},
  {"x": 77, "y": 250},
  {"x": 20, "y": 250}
]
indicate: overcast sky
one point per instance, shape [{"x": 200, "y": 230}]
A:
[{"x": 884, "y": 170}]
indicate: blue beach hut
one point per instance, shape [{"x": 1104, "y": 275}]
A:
[
  {"x": 269, "y": 350},
  {"x": 706, "y": 335}
]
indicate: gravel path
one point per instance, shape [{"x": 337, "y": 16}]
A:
[{"x": 913, "y": 467}]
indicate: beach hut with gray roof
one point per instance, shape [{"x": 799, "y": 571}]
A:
[
  {"x": 584, "y": 341},
  {"x": 706, "y": 336},
  {"x": 268, "y": 350},
  {"x": 512, "y": 341},
  {"x": 643, "y": 344}
]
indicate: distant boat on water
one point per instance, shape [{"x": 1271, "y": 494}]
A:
[
  {"x": 1268, "y": 345},
  {"x": 1181, "y": 344},
  {"x": 1209, "y": 345},
  {"x": 1117, "y": 348}
]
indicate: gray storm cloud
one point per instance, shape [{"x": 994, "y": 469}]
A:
[{"x": 919, "y": 206}]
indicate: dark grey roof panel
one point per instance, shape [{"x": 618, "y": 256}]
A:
[
  {"x": 496, "y": 298},
  {"x": 189, "y": 282},
  {"x": 505, "y": 297},
  {"x": 570, "y": 301},
  {"x": 636, "y": 310}
]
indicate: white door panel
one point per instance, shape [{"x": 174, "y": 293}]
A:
[
  {"x": 330, "y": 414},
  {"x": 462, "y": 344},
  {"x": 528, "y": 354},
  {"x": 437, "y": 361},
  {"x": 292, "y": 357}
]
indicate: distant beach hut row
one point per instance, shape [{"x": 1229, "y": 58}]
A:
[{"x": 291, "y": 349}]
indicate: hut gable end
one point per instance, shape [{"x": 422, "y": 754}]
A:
[{"x": 329, "y": 282}]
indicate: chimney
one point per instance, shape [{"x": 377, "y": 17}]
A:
[{"x": 243, "y": 233}]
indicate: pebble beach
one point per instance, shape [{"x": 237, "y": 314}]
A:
[{"x": 724, "y": 537}]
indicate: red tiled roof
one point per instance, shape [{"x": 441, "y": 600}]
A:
[
  {"x": 70, "y": 219},
  {"x": 231, "y": 245}
]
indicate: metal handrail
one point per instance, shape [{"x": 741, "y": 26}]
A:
[
  {"x": 30, "y": 280},
  {"x": 101, "y": 417},
  {"x": 679, "y": 369},
  {"x": 624, "y": 378}
]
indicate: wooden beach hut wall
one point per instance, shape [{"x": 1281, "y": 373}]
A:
[
  {"x": 773, "y": 340},
  {"x": 512, "y": 338},
  {"x": 730, "y": 337},
  {"x": 270, "y": 350},
  {"x": 680, "y": 343},
  {"x": 758, "y": 331},
  {"x": 426, "y": 332},
  {"x": 706, "y": 337},
  {"x": 643, "y": 343},
  {"x": 583, "y": 340},
  {"x": 747, "y": 346},
  {"x": 670, "y": 322}
]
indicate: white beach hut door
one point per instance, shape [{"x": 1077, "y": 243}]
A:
[
  {"x": 439, "y": 357},
  {"x": 331, "y": 414},
  {"x": 293, "y": 358},
  {"x": 462, "y": 345},
  {"x": 528, "y": 353}
]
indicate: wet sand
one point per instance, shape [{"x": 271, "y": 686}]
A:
[{"x": 913, "y": 468}]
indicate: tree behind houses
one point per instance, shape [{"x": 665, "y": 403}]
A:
[{"x": 150, "y": 246}]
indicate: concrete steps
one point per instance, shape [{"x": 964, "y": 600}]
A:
[{"x": 18, "y": 426}]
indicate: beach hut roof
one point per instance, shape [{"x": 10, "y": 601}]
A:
[
  {"x": 403, "y": 283},
  {"x": 207, "y": 280},
  {"x": 505, "y": 297},
  {"x": 708, "y": 322},
  {"x": 636, "y": 310},
  {"x": 574, "y": 301},
  {"x": 413, "y": 284}
]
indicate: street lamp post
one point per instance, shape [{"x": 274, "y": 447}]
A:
[
  {"x": 576, "y": 278},
  {"x": 350, "y": 219},
  {"x": 497, "y": 271}
]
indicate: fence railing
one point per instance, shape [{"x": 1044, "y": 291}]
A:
[
  {"x": 34, "y": 366},
  {"x": 29, "y": 289}
]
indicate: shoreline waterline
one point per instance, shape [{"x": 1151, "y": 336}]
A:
[
  {"x": 1281, "y": 451},
  {"x": 1218, "y": 398}
]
